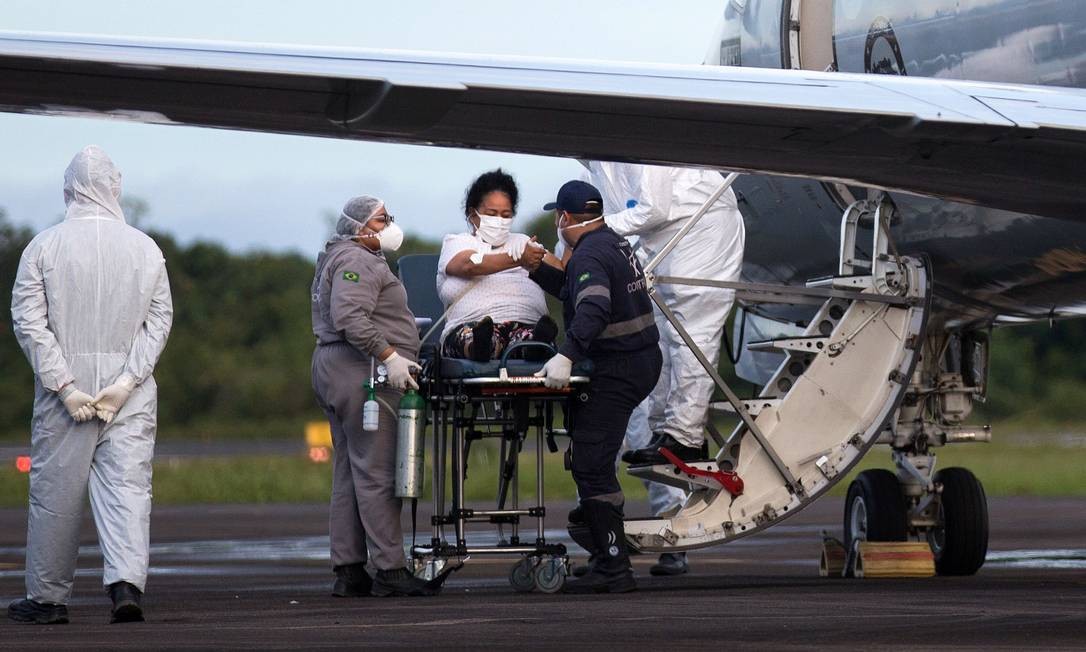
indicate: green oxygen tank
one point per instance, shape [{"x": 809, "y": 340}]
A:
[{"x": 410, "y": 445}]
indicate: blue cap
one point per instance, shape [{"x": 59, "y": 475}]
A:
[{"x": 577, "y": 197}]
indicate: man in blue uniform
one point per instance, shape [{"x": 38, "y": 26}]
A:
[{"x": 609, "y": 320}]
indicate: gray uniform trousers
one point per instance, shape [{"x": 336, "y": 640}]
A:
[{"x": 364, "y": 466}]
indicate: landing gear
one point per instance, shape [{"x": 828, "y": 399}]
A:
[
  {"x": 960, "y": 539},
  {"x": 874, "y": 508}
]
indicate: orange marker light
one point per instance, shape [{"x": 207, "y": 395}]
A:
[{"x": 22, "y": 463}]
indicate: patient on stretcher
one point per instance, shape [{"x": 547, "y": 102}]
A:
[{"x": 483, "y": 282}]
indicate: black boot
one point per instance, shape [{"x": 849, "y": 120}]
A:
[
  {"x": 576, "y": 520},
  {"x": 126, "y": 603},
  {"x": 352, "y": 581},
  {"x": 30, "y": 611},
  {"x": 657, "y": 440},
  {"x": 670, "y": 563},
  {"x": 482, "y": 340},
  {"x": 651, "y": 454},
  {"x": 400, "y": 582},
  {"x": 610, "y": 572}
]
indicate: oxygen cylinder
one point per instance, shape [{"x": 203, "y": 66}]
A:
[
  {"x": 370, "y": 411},
  {"x": 410, "y": 445}
]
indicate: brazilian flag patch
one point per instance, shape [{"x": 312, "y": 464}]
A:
[
  {"x": 583, "y": 277},
  {"x": 350, "y": 276}
]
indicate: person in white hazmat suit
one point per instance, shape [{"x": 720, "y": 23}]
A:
[
  {"x": 653, "y": 203},
  {"x": 91, "y": 309}
]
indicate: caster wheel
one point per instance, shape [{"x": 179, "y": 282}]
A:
[
  {"x": 522, "y": 576},
  {"x": 550, "y": 576}
]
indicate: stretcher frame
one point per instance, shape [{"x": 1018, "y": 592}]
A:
[{"x": 512, "y": 409}]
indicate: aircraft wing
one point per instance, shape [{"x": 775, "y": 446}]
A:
[{"x": 1004, "y": 146}]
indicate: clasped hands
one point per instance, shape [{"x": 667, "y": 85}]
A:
[
  {"x": 82, "y": 407},
  {"x": 525, "y": 251}
]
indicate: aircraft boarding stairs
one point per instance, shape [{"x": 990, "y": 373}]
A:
[{"x": 830, "y": 399}]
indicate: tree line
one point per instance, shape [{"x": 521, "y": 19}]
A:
[{"x": 237, "y": 362}]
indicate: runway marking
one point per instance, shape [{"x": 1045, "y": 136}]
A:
[{"x": 1060, "y": 558}]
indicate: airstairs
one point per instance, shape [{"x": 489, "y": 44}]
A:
[{"x": 833, "y": 396}]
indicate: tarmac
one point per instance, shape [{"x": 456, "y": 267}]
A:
[{"x": 257, "y": 576}]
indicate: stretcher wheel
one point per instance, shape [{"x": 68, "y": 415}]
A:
[
  {"x": 522, "y": 576},
  {"x": 550, "y": 576}
]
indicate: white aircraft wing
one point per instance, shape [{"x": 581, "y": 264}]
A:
[{"x": 1005, "y": 146}]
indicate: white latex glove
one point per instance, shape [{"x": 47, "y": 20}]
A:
[
  {"x": 555, "y": 373},
  {"x": 516, "y": 244},
  {"x": 110, "y": 400},
  {"x": 399, "y": 371},
  {"x": 77, "y": 403}
]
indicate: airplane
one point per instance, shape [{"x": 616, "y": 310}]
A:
[{"x": 941, "y": 132}]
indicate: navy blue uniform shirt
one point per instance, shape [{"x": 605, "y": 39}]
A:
[{"x": 606, "y": 306}]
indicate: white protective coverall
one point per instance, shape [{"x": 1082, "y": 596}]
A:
[
  {"x": 653, "y": 203},
  {"x": 91, "y": 306}
]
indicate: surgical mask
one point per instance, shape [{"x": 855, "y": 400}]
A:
[
  {"x": 562, "y": 236},
  {"x": 493, "y": 229}
]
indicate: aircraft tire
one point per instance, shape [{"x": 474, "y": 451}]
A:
[
  {"x": 960, "y": 543},
  {"x": 874, "y": 508}
]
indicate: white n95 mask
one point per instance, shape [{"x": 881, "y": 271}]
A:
[
  {"x": 390, "y": 237},
  {"x": 493, "y": 229}
]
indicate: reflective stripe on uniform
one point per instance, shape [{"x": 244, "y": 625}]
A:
[
  {"x": 592, "y": 291},
  {"x": 628, "y": 327}
]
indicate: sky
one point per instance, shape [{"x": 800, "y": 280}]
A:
[{"x": 261, "y": 191}]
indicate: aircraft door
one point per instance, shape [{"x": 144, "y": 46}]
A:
[{"x": 810, "y": 34}]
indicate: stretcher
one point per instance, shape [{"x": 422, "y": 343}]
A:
[{"x": 470, "y": 403}]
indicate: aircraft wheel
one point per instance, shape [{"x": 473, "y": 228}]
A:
[
  {"x": 874, "y": 508},
  {"x": 550, "y": 576},
  {"x": 960, "y": 541},
  {"x": 522, "y": 576}
]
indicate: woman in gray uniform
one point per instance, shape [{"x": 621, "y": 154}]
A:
[{"x": 360, "y": 317}]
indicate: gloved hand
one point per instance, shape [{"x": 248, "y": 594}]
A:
[
  {"x": 555, "y": 373},
  {"x": 110, "y": 400},
  {"x": 77, "y": 403},
  {"x": 516, "y": 244},
  {"x": 399, "y": 371}
]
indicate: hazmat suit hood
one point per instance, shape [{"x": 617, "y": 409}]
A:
[{"x": 92, "y": 186}]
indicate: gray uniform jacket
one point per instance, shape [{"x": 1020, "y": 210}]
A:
[{"x": 357, "y": 299}]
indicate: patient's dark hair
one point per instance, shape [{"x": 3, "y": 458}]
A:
[{"x": 487, "y": 183}]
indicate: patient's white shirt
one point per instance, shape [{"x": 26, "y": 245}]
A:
[{"x": 505, "y": 296}]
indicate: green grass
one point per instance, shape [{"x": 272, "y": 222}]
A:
[{"x": 1005, "y": 468}]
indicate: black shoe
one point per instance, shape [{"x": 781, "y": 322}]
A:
[
  {"x": 581, "y": 571},
  {"x": 610, "y": 572},
  {"x": 670, "y": 563},
  {"x": 545, "y": 330},
  {"x": 658, "y": 440},
  {"x": 30, "y": 611},
  {"x": 652, "y": 455},
  {"x": 401, "y": 583},
  {"x": 352, "y": 581},
  {"x": 482, "y": 340},
  {"x": 126, "y": 603}
]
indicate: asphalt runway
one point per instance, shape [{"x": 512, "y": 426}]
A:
[{"x": 258, "y": 577}]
